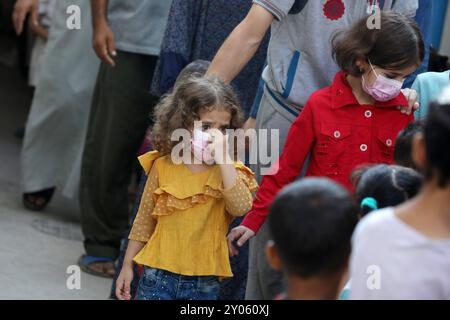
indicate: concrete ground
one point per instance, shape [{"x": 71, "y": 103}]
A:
[{"x": 36, "y": 249}]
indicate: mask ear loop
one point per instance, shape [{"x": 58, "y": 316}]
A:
[
  {"x": 371, "y": 66},
  {"x": 373, "y": 69}
]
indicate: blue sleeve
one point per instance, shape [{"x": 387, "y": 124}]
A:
[{"x": 423, "y": 18}]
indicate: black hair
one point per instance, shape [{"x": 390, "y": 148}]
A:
[
  {"x": 389, "y": 185},
  {"x": 397, "y": 44},
  {"x": 311, "y": 222},
  {"x": 403, "y": 145},
  {"x": 437, "y": 142}
]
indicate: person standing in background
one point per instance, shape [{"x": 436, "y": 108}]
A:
[
  {"x": 127, "y": 38},
  {"x": 56, "y": 125},
  {"x": 196, "y": 30},
  {"x": 41, "y": 33}
]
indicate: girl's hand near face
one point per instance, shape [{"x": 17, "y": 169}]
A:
[{"x": 219, "y": 148}]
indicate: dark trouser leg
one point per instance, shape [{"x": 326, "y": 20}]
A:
[
  {"x": 234, "y": 288},
  {"x": 119, "y": 118}
]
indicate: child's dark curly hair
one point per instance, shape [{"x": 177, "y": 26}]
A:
[{"x": 182, "y": 107}]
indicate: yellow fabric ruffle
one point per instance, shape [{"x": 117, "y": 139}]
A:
[
  {"x": 247, "y": 175},
  {"x": 170, "y": 198},
  {"x": 193, "y": 214},
  {"x": 167, "y": 203},
  {"x": 147, "y": 160}
]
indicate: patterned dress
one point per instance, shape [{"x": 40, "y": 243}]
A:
[{"x": 196, "y": 29}]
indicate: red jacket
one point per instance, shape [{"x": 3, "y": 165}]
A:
[{"x": 340, "y": 134}]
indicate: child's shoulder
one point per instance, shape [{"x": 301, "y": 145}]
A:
[
  {"x": 151, "y": 159},
  {"x": 374, "y": 224},
  {"x": 433, "y": 76},
  {"x": 320, "y": 98},
  {"x": 239, "y": 165}
]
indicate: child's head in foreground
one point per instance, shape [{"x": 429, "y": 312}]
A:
[
  {"x": 311, "y": 223},
  {"x": 431, "y": 150},
  {"x": 383, "y": 186},
  {"x": 403, "y": 145}
]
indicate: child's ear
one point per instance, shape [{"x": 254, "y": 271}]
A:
[
  {"x": 361, "y": 64},
  {"x": 419, "y": 154},
  {"x": 272, "y": 256}
]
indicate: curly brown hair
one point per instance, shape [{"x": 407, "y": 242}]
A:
[{"x": 182, "y": 107}]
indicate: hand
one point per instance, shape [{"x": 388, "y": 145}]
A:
[
  {"x": 243, "y": 234},
  {"x": 123, "y": 283},
  {"x": 104, "y": 43},
  {"x": 413, "y": 104},
  {"x": 249, "y": 124},
  {"x": 21, "y": 9}
]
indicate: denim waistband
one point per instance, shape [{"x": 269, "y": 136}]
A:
[{"x": 159, "y": 273}]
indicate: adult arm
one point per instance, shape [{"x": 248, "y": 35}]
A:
[{"x": 242, "y": 44}]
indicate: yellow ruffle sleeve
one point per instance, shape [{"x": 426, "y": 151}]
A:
[
  {"x": 144, "y": 224},
  {"x": 239, "y": 199}
]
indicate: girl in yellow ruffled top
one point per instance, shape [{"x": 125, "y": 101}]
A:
[{"x": 193, "y": 192}]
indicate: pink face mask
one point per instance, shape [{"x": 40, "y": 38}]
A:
[
  {"x": 199, "y": 144},
  {"x": 383, "y": 89}
]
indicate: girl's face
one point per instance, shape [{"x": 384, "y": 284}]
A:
[
  {"x": 215, "y": 122},
  {"x": 217, "y": 118}
]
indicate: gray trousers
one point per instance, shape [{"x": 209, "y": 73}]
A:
[{"x": 263, "y": 282}]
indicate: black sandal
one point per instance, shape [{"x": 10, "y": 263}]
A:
[{"x": 32, "y": 200}]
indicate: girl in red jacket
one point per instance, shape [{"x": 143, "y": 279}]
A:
[{"x": 354, "y": 121}]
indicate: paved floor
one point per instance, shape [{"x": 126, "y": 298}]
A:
[{"x": 36, "y": 249}]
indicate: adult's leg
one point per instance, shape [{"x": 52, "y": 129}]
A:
[{"x": 118, "y": 122}]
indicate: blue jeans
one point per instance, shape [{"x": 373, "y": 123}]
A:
[{"x": 156, "y": 284}]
